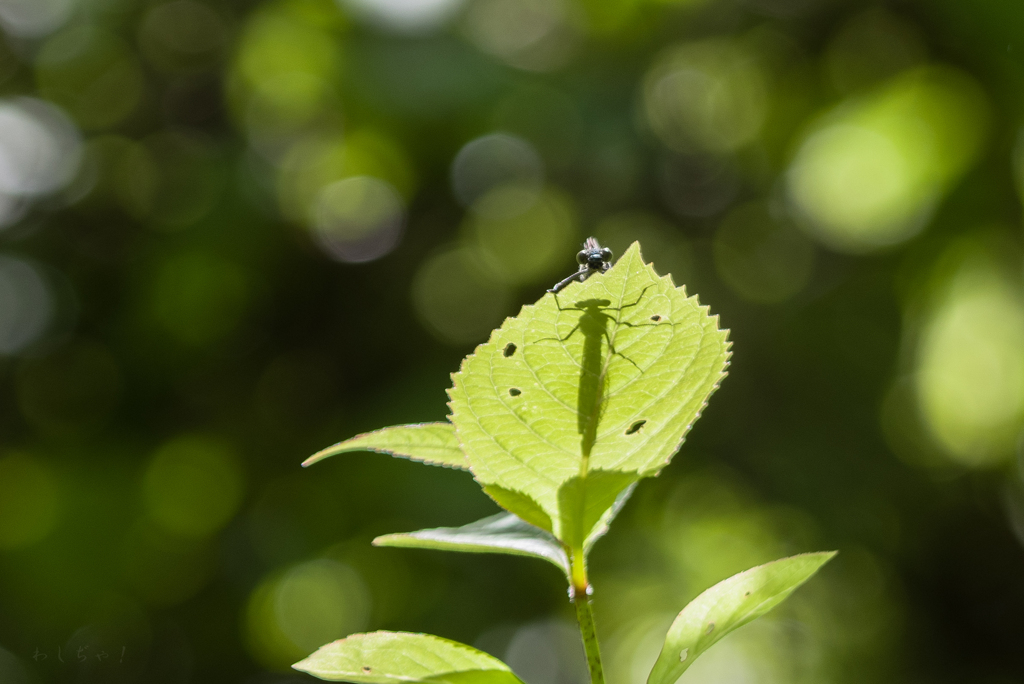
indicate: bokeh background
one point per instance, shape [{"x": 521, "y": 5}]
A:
[{"x": 237, "y": 231}]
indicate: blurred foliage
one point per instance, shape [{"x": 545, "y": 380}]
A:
[{"x": 237, "y": 231}]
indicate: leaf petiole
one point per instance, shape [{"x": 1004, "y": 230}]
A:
[{"x": 581, "y": 592}]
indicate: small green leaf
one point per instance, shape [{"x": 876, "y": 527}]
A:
[
  {"x": 582, "y": 502},
  {"x": 608, "y": 375},
  {"x": 520, "y": 504},
  {"x": 402, "y": 657},
  {"x": 730, "y": 604},
  {"x": 501, "y": 533},
  {"x": 430, "y": 443},
  {"x": 602, "y": 526}
]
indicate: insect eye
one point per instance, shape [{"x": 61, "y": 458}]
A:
[
  {"x": 581, "y": 257},
  {"x": 606, "y": 254}
]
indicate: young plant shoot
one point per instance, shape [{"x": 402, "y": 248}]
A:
[{"x": 558, "y": 416}]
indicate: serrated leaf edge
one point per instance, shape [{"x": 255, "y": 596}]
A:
[{"x": 337, "y": 448}]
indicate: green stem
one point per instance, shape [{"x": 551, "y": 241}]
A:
[{"x": 581, "y": 592}]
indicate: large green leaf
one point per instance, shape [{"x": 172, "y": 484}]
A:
[
  {"x": 730, "y": 604},
  {"x": 430, "y": 443},
  {"x": 401, "y": 657},
  {"x": 501, "y": 533},
  {"x": 606, "y": 376}
]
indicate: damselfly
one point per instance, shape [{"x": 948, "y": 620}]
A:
[{"x": 593, "y": 258}]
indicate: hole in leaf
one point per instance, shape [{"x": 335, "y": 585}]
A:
[
  {"x": 510, "y": 349},
  {"x": 515, "y": 391},
  {"x": 635, "y": 427},
  {"x": 366, "y": 668},
  {"x": 655, "y": 318}
]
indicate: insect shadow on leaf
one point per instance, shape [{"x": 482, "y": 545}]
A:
[{"x": 593, "y": 324}]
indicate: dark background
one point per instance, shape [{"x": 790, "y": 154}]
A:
[{"x": 236, "y": 232}]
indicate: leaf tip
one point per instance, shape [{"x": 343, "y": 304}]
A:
[
  {"x": 318, "y": 456},
  {"x": 822, "y": 557},
  {"x": 304, "y": 666},
  {"x": 633, "y": 246},
  {"x": 827, "y": 555}
]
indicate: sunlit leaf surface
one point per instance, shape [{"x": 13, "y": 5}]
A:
[
  {"x": 393, "y": 657},
  {"x": 501, "y": 533},
  {"x": 430, "y": 443},
  {"x": 730, "y": 604},
  {"x": 583, "y": 393}
]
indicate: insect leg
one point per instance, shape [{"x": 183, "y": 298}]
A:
[{"x": 562, "y": 284}]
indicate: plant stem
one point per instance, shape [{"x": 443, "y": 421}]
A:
[
  {"x": 586, "y": 619},
  {"x": 581, "y": 592}
]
